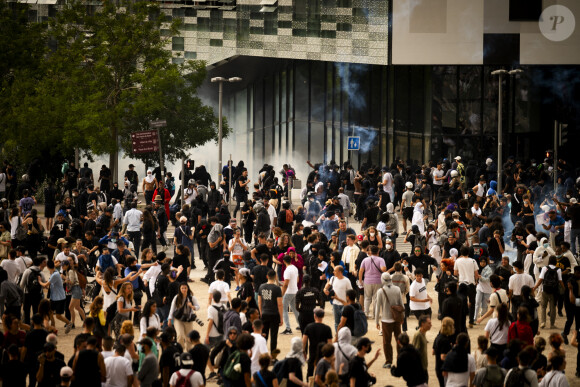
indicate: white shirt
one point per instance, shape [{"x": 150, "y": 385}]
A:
[
  {"x": 554, "y": 379},
  {"x": 118, "y": 212},
  {"x": 238, "y": 247},
  {"x": 441, "y": 226},
  {"x": 14, "y": 226},
  {"x": 190, "y": 194},
  {"x": 222, "y": 287},
  {"x": 12, "y": 269},
  {"x": 350, "y": 254},
  {"x": 195, "y": 379},
  {"x": 133, "y": 220},
  {"x": 497, "y": 335},
  {"x": 107, "y": 354},
  {"x": 61, "y": 257},
  {"x": 340, "y": 286},
  {"x": 260, "y": 347},
  {"x": 466, "y": 268},
  {"x": 388, "y": 182},
  {"x": 212, "y": 313},
  {"x": 118, "y": 368},
  {"x": 23, "y": 262},
  {"x": 272, "y": 214},
  {"x": 438, "y": 173},
  {"x": 517, "y": 281},
  {"x": 153, "y": 322},
  {"x": 545, "y": 269},
  {"x": 476, "y": 212},
  {"x": 291, "y": 274},
  {"x": 461, "y": 379},
  {"x": 419, "y": 291},
  {"x": 151, "y": 276}
]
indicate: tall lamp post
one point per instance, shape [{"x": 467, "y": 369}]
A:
[
  {"x": 501, "y": 73},
  {"x": 221, "y": 81}
]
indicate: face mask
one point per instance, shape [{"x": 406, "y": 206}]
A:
[
  {"x": 113, "y": 240},
  {"x": 372, "y": 234},
  {"x": 546, "y": 245},
  {"x": 389, "y": 247},
  {"x": 370, "y": 349}
]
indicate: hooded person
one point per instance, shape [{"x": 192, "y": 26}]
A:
[
  {"x": 344, "y": 352},
  {"x": 393, "y": 224},
  {"x": 294, "y": 361},
  {"x": 459, "y": 362},
  {"x": 492, "y": 188},
  {"x": 540, "y": 259},
  {"x": 214, "y": 239},
  {"x": 388, "y": 297},
  {"x": 418, "y": 218}
]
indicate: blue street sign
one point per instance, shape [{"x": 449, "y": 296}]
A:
[{"x": 353, "y": 143}]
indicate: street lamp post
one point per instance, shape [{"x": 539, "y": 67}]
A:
[
  {"x": 499, "y": 130},
  {"x": 221, "y": 81}
]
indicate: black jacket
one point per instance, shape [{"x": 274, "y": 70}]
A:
[{"x": 407, "y": 362}]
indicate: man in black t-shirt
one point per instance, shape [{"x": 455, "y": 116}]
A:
[
  {"x": 33, "y": 344},
  {"x": 199, "y": 353},
  {"x": 307, "y": 299},
  {"x": 314, "y": 334},
  {"x": 49, "y": 368},
  {"x": 359, "y": 369},
  {"x": 347, "y": 317},
  {"x": 270, "y": 305},
  {"x": 167, "y": 363},
  {"x": 260, "y": 273},
  {"x": 241, "y": 190}
]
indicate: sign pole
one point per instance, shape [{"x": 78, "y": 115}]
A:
[
  {"x": 182, "y": 182},
  {"x": 230, "y": 193},
  {"x": 161, "y": 161},
  {"x": 555, "y": 170}
]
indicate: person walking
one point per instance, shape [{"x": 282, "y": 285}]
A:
[
  {"x": 388, "y": 296},
  {"x": 344, "y": 352},
  {"x": 307, "y": 299},
  {"x": 420, "y": 301},
  {"x": 467, "y": 272},
  {"x": 149, "y": 371},
  {"x": 358, "y": 368},
  {"x": 336, "y": 289},
  {"x": 408, "y": 363},
  {"x": 270, "y": 305},
  {"x": 420, "y": 341},
  {"x": 57, "y": 295},
  {"x": 551, "y": 279},
  {"x": 314, "y": 334},
  {"x": 118, "y": 367},
  {"x": 403, "y": 282},
  {"x": 442, "y": 345},
  {"x": 289, "y": 290},
  {"x": 369, "y": 274},
  {"x": 181, "y": 314},
  {"x": 516, "y": 282}
]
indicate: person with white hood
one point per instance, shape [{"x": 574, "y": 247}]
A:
[
  {"x": 540, "y": 258},
  {"x": 295, "y": 359},
  {"x": 407, "y": 204},
  {"x": 388, "y": 296},
  {"x": 418, "y": 217},
  {"x": 392, "y": 225},
  {"x": 344, "y": 352}
]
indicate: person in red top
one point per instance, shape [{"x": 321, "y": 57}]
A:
[
  {"x": 521, "y": 329},
  {"x": 165, "y": 196}
]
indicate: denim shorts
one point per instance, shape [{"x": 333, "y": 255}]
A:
[{"x": 76, "y": 292}]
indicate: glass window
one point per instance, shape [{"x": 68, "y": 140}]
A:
[
  {"x": 301, "y": 85},
  {"x": 417, "y": 100},
  {"x": 401, "y": 146},
  {"x": 444, "y": 108},
  {"x": 317, "y": 141},
  {"x": 470, "y": 100},
  {"x": 402, "y": 100},
  {"x": 177, "y": 43},
  {"x": 190, "y": 55},
  {"x": 216, "y": 42}
]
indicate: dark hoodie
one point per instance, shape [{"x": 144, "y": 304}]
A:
[{"x": 407, "y": 362}]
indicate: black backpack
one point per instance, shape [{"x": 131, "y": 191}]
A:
[
  {"x": 551, "y": 281},
  {"x": 32, "y": 284},
  {"x": 220, "y": 323},
  {"x": 517, "y": 378}
]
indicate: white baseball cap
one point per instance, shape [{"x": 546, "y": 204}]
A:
[
  {"x": 457, "y": 158},
  {"x": 409, "y": 184}
]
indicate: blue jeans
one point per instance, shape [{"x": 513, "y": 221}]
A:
[
  {"x": 289, "y": 300},
  {"x": 481, "y": 300},
  {"x": 337, "y": 310}
]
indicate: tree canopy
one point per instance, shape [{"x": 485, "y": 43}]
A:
[{"x": 89, "y": 79}]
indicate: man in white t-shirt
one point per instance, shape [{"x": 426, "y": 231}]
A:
[
  {"x": 516, "y": 282},
  {"x": 185, "y": 370},
  {"x": 22, "y": 260},
  {"x": 467, "y": 272},
  {"x": 119, "y": 370},
  {"x": 499, "y": 296},
  {"x": 11, "y": 266},
  {"x": 221, "y": 286},
  {"x": 338, "y": 285},
  {"x": 420, "y": 301},
  {"x": 212, "y": 335},
  {"x": 388, "y": 181},
  {"x": 64, "y": 256},
  {"x": 459, "y": 379},
  {"x": 289, "y": 290},
  {"x": 260, "y": 347},
  {"x": 549, "y": 296}
]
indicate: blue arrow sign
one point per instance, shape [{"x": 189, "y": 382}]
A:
[{"x": 353, "y": 143}]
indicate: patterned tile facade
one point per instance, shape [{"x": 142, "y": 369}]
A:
[{"x": 354, "y": 31}]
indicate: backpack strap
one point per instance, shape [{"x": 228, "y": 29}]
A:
[{"x": 261, "y": 379}]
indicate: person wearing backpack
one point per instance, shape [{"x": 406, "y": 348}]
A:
[
  {"x": 523, "y": 375},
  {"x": 551, "y": 279},
  {"x": 491, "y": 375},
  {"x": 186, "y": 376},
  {"x": 369, "y": 274},
  {"x": 388, "y": 299},
  {"x": 353, "y": 317},
  {"x": 237, "y": 369},
  {"x": 215, "y": 317},
  {"x": 30, "y": 283}
]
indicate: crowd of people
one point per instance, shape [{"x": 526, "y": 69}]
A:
[{"x": 506, "y": 260}]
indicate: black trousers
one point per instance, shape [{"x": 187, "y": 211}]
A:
[
  {"x": 271, "y": 325},
  {"x": 471, "y": 295},
  {"x": 213, "y": 256},
  {"x": 150, "y": 240},
  {"x": 135, "y": 237},
  {"x": 572, "y": 312},
  {"x": 31, "y": 302},
  {"x": 304, "y": 318}
]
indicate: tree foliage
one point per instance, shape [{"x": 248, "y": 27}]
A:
[{"x": 97, "y": 77}]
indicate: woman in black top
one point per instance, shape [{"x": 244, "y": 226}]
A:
[
  {"x": 442, "y": 345},
  {"x": 246, "y": 292},
  {"x": 150, "y": 228},
  {"x": 443, "y": 279},
  {"x": 248, "y": 219},
  {"x": 264, "y": 377}
]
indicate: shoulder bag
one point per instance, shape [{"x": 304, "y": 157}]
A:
[{"x": 398, "y": 311}]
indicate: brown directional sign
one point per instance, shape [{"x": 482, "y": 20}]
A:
[{"x": 145, "y": 141}]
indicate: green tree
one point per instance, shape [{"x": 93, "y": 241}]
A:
[{"x": 108, "y": 74}]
